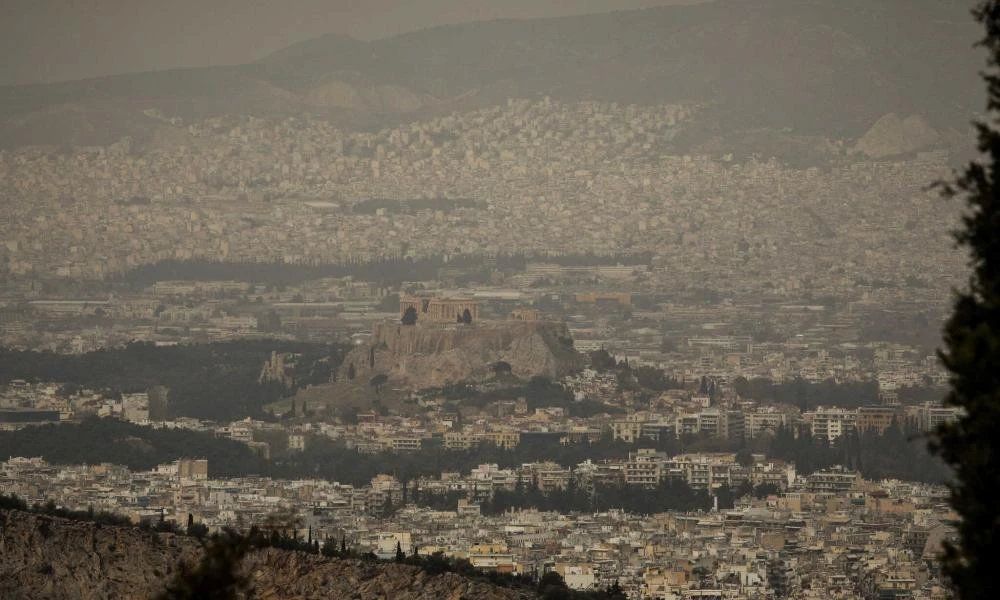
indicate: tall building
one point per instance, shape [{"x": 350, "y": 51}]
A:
[{"x": 830, "y": 423}]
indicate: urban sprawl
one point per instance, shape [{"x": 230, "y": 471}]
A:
[{"x": 719, "y": 304}]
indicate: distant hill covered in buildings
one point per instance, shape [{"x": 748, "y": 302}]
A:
[{"x": 822, "y": 68}]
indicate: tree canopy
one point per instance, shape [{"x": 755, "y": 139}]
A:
[
  {"x": 971, "y": 445},
  {"x": 217, "y": 381}
]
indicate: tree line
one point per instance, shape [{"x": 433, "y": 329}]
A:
[
  {"x": 386, "y": 271},
  {"x": 216, "y": 381},
  {"x": 667, "y": 495},
  {"x": 219, "y": 568},
  {"x": 95, "y": 441},
  {"x": 896, "y": 453},
  {"x": 806, "y": 395},
  {"x": 218, "y": 572},
  {"x": 13, "y": 502}
]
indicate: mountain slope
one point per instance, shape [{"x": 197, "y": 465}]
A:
[{"x": 819, "y": 67}]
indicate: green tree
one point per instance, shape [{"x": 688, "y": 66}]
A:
[
  {"x": 409, "y": 316},
  {"x": 764, "y": 490},
  {"x": 501, "y": 367},
  {"x": 552, "y": 586},
  {"x": 349, "y": 415},
  {"x": 615, "y": 591},
  {"x": 216, "y": 577},
  {"x": 601, "y": 360},
  {"x": 971, "y": 445},
  {"x": 378, "y": 381},
  {"x": 744, "y": 457}
]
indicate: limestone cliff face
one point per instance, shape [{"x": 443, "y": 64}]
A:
[
  {"x": 47, "y": 558},
  {"x": 432, "y": 354}
]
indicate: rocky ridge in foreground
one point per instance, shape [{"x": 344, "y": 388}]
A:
[{"x": 51, "y": 558}]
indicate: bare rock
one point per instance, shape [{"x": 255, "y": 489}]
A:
[
  {"x": 434, "y": 354},
  {"x": 49, "y": 558},
  {"x": 892, "y": 136}
]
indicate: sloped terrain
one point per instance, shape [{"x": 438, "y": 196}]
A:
[
  {"x": 50, "y": 558},
  {"x": 824, "y": 67}
]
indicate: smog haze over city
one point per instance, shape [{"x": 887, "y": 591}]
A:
[{"x": 436, "y": 299}]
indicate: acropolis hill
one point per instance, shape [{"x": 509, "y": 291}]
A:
[{"x": 439, "y": 349}]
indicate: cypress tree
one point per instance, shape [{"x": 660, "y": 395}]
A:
[{"x": 971, "y": 445}]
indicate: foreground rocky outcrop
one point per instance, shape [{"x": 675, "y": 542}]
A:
[
  {"x": 49, "y": 558},
  {"x": 432, "y": 354}
]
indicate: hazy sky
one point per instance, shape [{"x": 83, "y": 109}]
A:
[{"x": 52, "y": 40}]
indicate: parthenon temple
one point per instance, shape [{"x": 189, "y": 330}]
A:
[{"x": 439, "y": 309}]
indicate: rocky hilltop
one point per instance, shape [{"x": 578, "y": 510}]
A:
[
  {"x": 46, "y": 557},
  {"x": 432, "y": 354},
  {"x": 893, "y": 136}
]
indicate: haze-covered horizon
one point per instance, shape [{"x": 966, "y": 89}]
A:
[{"x": 42, "y": 43}]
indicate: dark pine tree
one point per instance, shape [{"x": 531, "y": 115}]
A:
[
  {"x": 502, "y": 368},
  {"x": 216, "y": 577},
  {"x": 615, "y": 591},
  {"x": 971, "y": 445}
]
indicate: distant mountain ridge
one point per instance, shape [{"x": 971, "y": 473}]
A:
[{"x": 819, "y": 67}]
